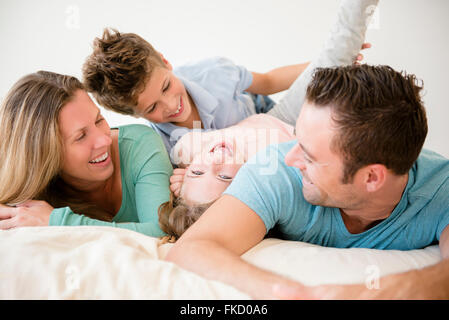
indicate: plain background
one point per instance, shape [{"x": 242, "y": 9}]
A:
[{"x": 55, "y": 35}]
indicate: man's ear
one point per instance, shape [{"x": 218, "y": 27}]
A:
[
  {"x": 168, "y": 64},
  {"x": 375, "y": 176}
]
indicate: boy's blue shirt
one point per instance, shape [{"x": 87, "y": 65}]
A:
[
  {"x": 217, "y": 87},
  {"x": 274, "y": 191}
]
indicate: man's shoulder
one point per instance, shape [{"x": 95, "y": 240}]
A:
[
  {"x": 270, "y": 163},
  {"x": 431, "y": 172}
]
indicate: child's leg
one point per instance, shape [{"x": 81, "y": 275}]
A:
[{"x": 341, "y": 48}]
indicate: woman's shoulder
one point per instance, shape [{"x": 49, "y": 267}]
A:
[
  {"x": 139, "y": 137},
  {"x": 135, "y": 130}
]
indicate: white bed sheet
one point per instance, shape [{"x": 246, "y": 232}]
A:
[{"x": 112, "y": 263}]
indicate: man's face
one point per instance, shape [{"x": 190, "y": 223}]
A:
[
  {"x": 164, "y": 98},
  {"x": 321, "y": 168}
]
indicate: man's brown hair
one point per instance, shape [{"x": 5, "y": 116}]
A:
[
  {"x": 118, "y": 69},
  {"x": 378, "y": 114}
]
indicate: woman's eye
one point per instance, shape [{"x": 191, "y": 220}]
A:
[
  {"x": 166, "y": 87},
  {"x": 197, "y": 172},
  {"x": 80, "y": 137},
  {"x": 99, "y": 121}
]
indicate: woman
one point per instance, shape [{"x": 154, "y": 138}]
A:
[
  {"x": 209, "y": 161},
  {"x": 57, "y": 148}
]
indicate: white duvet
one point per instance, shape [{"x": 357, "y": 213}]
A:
[{"x": 113, "y": 263}]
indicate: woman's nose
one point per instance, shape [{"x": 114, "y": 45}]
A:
[{"x": 103, "y": 139}]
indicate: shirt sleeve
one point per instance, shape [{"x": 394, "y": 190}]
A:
[
  {"x": 263, "y": 185},
  {"x": 152, "y": 178},
  {"x": 218, "y": 74},
  {"x": 66, "y": 217},
  {"x": 148, "y": 163},
  {"x": 441, "y": 203}
]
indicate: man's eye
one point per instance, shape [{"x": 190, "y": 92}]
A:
[{"x": 197, "y": 172}]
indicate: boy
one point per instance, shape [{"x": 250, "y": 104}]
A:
[{"x": 127, "y": 75}]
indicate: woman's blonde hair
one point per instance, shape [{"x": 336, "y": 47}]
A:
[
  {"x": 176, "y": 215},
  {"x": 31, "y": 147}
]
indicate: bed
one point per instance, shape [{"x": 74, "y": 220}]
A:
[{"x": 112, "y": 263}]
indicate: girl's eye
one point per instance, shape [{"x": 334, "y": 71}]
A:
[
  {"x": 197, "y": 172},
  {"x": 224, "y": 177}
]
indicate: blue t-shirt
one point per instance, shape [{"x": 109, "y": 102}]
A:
[
  {"x": 217, "y": 86},
  {"x": 274, "y": 191}
]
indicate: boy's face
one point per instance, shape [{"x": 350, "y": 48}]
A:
[{"x": 164, "y": 99}]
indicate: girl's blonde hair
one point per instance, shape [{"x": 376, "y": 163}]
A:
[
  {"x": 176, "y": 215},
  {"x": 31, "y": 147}
]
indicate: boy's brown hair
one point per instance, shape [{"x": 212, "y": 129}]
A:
[
  {"x": 118, "y": 69},
  {"x": 378, "y": 113}
]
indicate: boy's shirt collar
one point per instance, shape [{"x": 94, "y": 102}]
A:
[{"x": 205, "y": 103}]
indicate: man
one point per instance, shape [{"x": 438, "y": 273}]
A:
[{"x": 355, "y": 177}]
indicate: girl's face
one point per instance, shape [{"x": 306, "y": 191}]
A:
[
  {"x": 210, "y": 173},
  {"x": 87, "y": 142}
]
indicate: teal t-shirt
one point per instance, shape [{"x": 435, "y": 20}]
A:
[
  {"x": 274, "y": 191},
  {"x": 145, "y": 172}
]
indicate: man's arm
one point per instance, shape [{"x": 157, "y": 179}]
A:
[
  {"x": 431, "y": 282},
  {"x": 212, "y": 247}
]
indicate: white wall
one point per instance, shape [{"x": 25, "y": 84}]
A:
[{"x": 260, "y": 34}]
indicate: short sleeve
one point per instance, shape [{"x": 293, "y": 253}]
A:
[
  {"x": 440, "y": 204},
  {"x": 151, "y": 169},
  {"x": 267, "y": 186},
  {"x": 218, "y": 74}
]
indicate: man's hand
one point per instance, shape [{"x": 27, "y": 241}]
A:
[{"x": 31, "y": 213}]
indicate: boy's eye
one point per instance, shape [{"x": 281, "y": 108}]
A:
[
  {"x": 151, "y": 109},
  {"x": 197, "y": 172}
]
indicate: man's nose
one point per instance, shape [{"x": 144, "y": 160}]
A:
[{"x": 295, "y": 158}]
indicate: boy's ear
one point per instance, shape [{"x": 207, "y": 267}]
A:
[{"x": 168, "y": 64}]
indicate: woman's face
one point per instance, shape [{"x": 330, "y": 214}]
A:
[
  {"x": 87, "y": 142},
  {"x": 210, "y": 173}
]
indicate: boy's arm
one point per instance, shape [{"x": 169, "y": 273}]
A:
[
  {"x": 276, "y": 80},
  {"x": 282, "y": 78}
]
